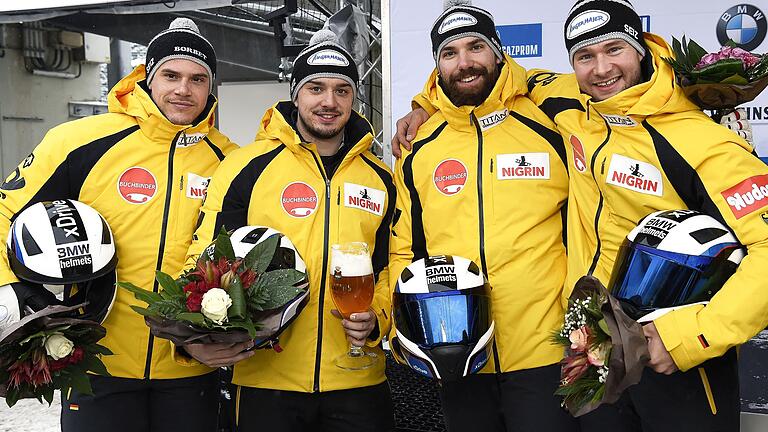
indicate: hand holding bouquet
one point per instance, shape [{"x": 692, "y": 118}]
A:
[
  {"x": 229, "y": 297},
  {"x": 42, "y": 353}
]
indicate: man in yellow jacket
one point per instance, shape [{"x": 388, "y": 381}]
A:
[
  {"x": 631, "y": 119},
  {"x": 311, "y": 176},
  {"x": 144, "y": 166},
  {"x": 487, "y": 180}
]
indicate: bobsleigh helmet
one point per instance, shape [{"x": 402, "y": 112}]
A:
[
  {"x": 67, "y": 248},
  {"x": 286, "y": 257},
  {"x": 673, "y": 258},
  {"x": 442, "y": 318}
]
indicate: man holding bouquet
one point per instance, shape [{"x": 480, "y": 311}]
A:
[{"x": 311, "y": 176}]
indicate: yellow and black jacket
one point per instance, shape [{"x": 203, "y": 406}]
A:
[
  {"x": 649, "y": 148},
  {"x": 488, "y": 183},
  {"x": 280, "y": 182},
  {"x": 147, "y": 177}
]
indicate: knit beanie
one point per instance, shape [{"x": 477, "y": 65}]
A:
[
  {"x": 595, "y": 21},
  {"x": 459, "y": 20},
  {"x": 182, "y": 40},
  {"x": 323, "y": 58}
]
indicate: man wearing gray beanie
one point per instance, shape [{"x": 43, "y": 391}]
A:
[
  {"x": 145, "y": 167},
  {"x": 311, "y": 176}
]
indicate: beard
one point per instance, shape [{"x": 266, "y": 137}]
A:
[
  {"x": 461, "y": 97},
  {"x": 321, "y": 132}
]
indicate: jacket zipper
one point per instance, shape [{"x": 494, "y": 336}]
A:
[
  {"x": 161, "y": 248},
  {"x": 320, "y": 307},
  {"x": 481, "y": 216},
  {"x": 599, "y": 210}
]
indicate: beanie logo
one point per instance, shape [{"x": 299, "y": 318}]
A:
[
  {"x": 327, "y": 57},
  {"x": 456, "y": 20},
  {"x": 189, "y": 50},
  {"x": 586, "y": 22}
]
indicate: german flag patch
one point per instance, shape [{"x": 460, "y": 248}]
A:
[
  {"x": 74, "y": 407},
  {"x": 703, "y": 341}
]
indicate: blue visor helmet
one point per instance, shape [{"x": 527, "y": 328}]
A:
[
  {"x": 442, "y": 317},
  {"x": 673, "y": 258}
]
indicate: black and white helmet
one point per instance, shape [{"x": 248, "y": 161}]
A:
[
  {"x": 673, "y": 258},
  {"x": 68, "y": 248},
  {"x": 442, "y": 317},
  {"x": 286, "y": 257}
]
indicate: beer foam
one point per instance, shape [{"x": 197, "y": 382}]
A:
[{"x": 351, "y": 264}]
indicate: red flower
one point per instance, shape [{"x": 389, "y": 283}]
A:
[
  {"x": 194, "y": 301},
  {"x": 574, "y": 367},
  {"x": 247, "y": 278},
  {"x": 35, "y": 372},
  {"x": 77, "y": 355}
]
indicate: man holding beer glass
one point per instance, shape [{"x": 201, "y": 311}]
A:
[{"x": 311, "y": 176}]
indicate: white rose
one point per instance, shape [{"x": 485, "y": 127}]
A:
[
  {"x": 215, "y": 304},
  {"x": 57, "y": 346}
]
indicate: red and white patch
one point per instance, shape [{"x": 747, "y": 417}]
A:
[
  {"x": 579, "y": 159},
  {"x": 747, "y": 196},
  {"x": 299, "y": 199},
  {"x": 197, "y": 186},
  {"x": 522, "y": 166},
  {"x": 364, "y": 198},
  {"x": 635, "y": 175},
  {"x": 450, "y": 176},
  {"x": 137, "y": 185}
]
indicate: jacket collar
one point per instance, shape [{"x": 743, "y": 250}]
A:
[
  {"x": 130, "y": 96},
  {"x": 279, "y": 124}
]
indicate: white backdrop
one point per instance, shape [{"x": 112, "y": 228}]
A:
[{"x": 535, "y": 28}]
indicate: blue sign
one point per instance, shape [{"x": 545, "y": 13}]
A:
[
  {"x": 521, "y": 40},
  {"x": 646, "y": 23}
]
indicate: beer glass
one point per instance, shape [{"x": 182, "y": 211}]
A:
[{"x": 352, "y": 292}]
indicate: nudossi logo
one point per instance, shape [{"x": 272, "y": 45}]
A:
[
  {"x": 137, "y": 185},
  {"x": 450, "y": 176},
  {"x": 747, "y": 196},
  {"x": 299, "y": 199}
]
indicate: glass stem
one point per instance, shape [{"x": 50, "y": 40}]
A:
[{"x": 355, "y": 351}]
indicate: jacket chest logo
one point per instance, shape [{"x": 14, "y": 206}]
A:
[
  {"x": 137, "y": 185},
  {"x": 364, "y": 198},
  {"x": 635, "y": 175},
  {"x": 185, "y": 140},
  {"x": 197, "y": 186},
  {"x": 522, "y": 166},
  {"x": 299, "y": 199},
  {"x": 579, "y": 158},
  {"x": 492, "y": 119},
  {"x": 450, "y": 176},
  {"x": 619, "y": 120},
  {"x": 747, "y": 196}
]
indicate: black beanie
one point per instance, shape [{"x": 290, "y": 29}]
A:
[
  {"x": 182, "y": 40},
  {"x": 460, "y": 19},
  {"x": 596, "y": 21},
  {"x": 323, "y": 58}
]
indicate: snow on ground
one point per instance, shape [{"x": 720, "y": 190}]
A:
[{"x": 29, "y": 415}]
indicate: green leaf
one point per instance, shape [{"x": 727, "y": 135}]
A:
[
  {"x": 604, "y": 326},
  {"x": 695, "y": 52},
  {"x": 91, "y": 363},
  {"x": 223, "y": 247},
  {"x": 247, "y": 325},
  {"x": 144, "y": 311},
  {"x": 192, "y": 317},
  {"x": 80, "y": 383},
  {"x": 170, "y": 286},
  {"x": 141, "y": 294},
  {"x": 12, "y": 396},
  {"x": 237, "y": 310},
  {"x": 48, "y": 394},
  {"x": 98, "y": 349},
  {"x": 261, "y": 255}
]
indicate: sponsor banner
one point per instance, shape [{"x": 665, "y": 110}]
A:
[
  {"x": 521, "y": 40},
  {"x": 197, "y": 186},
  {"x": 450, "y": 176},
  {"x": 299, "y": 199},
  {"x": 522, "y": 166},
  {"x": 635, "y": 175},
  {"x": 364, "y": 198},
  {"x": 748, "y": 196},
  {"x": 743, "y": 24},
  {"x": 137, "y": 185}
]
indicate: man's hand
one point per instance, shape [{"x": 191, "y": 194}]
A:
[
  {"x": 738, "y": 123},
  {"x": 358, "y": 326},
  {"x": 406, "y": 129},
  {"x": 660, "y": 361},
  {"x": 220, "y": 355}
]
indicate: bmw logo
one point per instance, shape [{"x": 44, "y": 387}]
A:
[{"x": 744, "y": 24}]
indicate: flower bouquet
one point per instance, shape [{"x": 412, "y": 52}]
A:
[
  {"x": 605, "y": 350},
  {"x": 226, "y": 298},
  {"x": 42, "y": 353},
  {"x": 718, "y": 81}
]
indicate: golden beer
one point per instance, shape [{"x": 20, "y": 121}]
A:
[{"x": 351, "y": 293}]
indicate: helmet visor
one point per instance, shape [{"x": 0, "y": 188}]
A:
[
  {"x": 440, "y": 318},
  {"x": 645, "y": 279}
]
